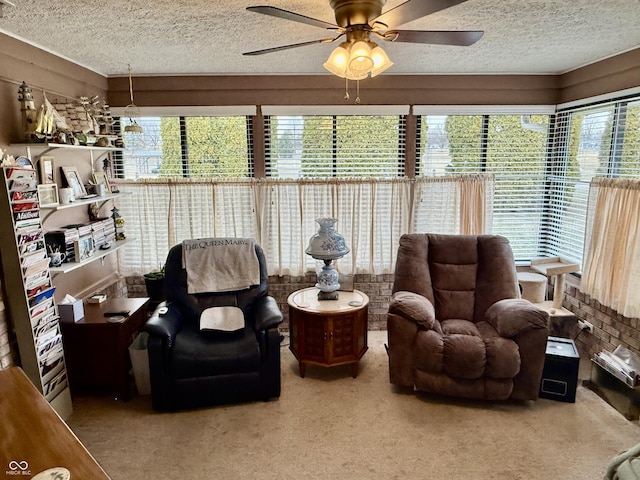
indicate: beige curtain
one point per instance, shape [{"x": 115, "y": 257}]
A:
[
  {"x": 280, "y": 214},
  {"x": 611, "y": 269},
  {"x": 453, "y": 204},
  {"x": 372, "y": 215}
]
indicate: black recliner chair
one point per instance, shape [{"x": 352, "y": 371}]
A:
[{"x": 192, "y": 368}]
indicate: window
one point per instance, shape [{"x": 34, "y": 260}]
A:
[
  {"x": 334, "y": 145},
  {"x": 600, "y": 140},
  {"x": 190, "y": 147},
  {"x": 512, "y": 148},
  {"x": 540, "y": 166}
]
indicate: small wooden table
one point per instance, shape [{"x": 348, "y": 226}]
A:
[
  {"x": 33, "y": 438},
  {"x": 97, "y": 349},
  {"x": 328, "y": 332}
]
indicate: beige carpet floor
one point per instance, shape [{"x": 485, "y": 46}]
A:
[{"x": 329, "y": 425}]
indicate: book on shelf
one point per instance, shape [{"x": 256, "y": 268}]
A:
[
  {"x": 40, "y": 322},
  {"x": 83, "y": 229},
  {"x": 37, "y": 289},
  {"x": 41, "y": 296},
  {"x": 24, "y": 206},
  {"x": 37, "y": 278},
  {"x": 41, "y": 307},
  {"x": 46, "y": 328},
  {"x": 18, "y": 173},
  {"x": 56, "y": 385},
  {"x": 37, "y": 266},
  {"x": 24, "y": 195},
  {"x": 48, "y": 344},
  {"x": 48, "y": 336},
  {"x": 28, "y": 229},
  {"x": 32, "y": 258},
  {"x": 31, "y": 247},
  {"x": 21, "y": 216},
  {"x": 52, "y": 362},
  {"x": 28, "y": 224}
]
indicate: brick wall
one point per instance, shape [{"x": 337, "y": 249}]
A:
[
  {"x": 610, "y": 329},
  {"x": 115, "y": 290}
]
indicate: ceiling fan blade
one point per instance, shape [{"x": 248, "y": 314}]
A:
[
  {"x": 412, "y": 10},
  {"x": 296, "y": 17},
  {"x": 293, "y": 45},
  {"x": 434, "y": 37}
]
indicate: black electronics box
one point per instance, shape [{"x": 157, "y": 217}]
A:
[{"x": 560, "y": 373}]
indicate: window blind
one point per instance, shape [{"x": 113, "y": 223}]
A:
[
  {"x": 299, "y": 146},
  {"x": 600, "y": 140},
  {"x": 187, "y": 147},
  {"x": 512, "y": 148}
]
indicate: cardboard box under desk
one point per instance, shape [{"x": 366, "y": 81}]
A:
[{"x": 71, "y": 312}]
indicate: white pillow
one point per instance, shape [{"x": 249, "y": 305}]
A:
[{"x": 224, "y": 319}]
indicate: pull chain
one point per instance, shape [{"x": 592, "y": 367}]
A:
[
  {"x": 346, "y": 88},
  {"x": 357, "y": 92}
]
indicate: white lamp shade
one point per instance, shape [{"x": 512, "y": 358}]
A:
[
  {"x": 338, "y": 61},
  {"x": 360, "y": 60},
  {"x": 381, "y": 61}
]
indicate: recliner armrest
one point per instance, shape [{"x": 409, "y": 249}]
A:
[
  {"x": 165, "y": 325},
  {"x": 413, "y": 306},
  {"x": 512, "y": 316},
  {"x": 267, "y": 313}
]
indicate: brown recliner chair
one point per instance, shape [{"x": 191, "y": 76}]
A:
[{"x": 456, "y": 324}]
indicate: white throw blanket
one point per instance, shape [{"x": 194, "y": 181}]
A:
[{"x": 220, "y": 264}]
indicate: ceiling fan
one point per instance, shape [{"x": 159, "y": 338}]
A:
[{"x": 359, "y": 57}]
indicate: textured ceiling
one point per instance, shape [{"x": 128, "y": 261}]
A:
[{"x": 208, "y": 37}]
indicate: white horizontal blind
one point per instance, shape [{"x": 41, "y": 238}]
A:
[
  {"x": 335, "y": 145},
  {"x": 512, "y": 148},
  {"x": 187, "y": 147},
  {"x": 601, "y": 140}
]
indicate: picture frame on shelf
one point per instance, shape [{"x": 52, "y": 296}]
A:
[
  {"x": 72, "y": 177},
  {"x": 83, "y": 248},
  {"x": 48, "y": 195},
  {"x": 47, "y": 166},
  {"x": 100, "y": 178}
]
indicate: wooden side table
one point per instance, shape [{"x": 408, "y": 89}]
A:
[
  {"x": 97, "y": 349},
  {"x": 328, "y": 332}
]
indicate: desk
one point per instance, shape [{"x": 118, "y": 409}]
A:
[
  {"x": 328, "y": 332},
  {"x": 33, "y": 436},
  {"x": 97, "y": 350}
]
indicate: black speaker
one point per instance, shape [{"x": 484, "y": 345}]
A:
[{"x": 560, "y": 373}]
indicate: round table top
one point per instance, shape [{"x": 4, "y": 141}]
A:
[
  {"x": 307, "y": 300},
  {"x": 531, "y": 277}
]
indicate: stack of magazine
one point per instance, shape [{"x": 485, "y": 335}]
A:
[
  {"x": 34, "y": 262},
  {"x": 622, "y": 363}
]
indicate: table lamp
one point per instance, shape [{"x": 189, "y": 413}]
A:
[{"x": 327, "y": 245}]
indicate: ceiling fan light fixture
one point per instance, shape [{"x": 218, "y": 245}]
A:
[
  {"x": 360, "y": 60},
  {"x": 381, "y": 61},
  {"x": 338, "y": 60}
]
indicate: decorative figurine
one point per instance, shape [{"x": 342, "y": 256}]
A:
[
  {"x": 119, "y": 223},
  {"x": 28, "y": 111}
]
